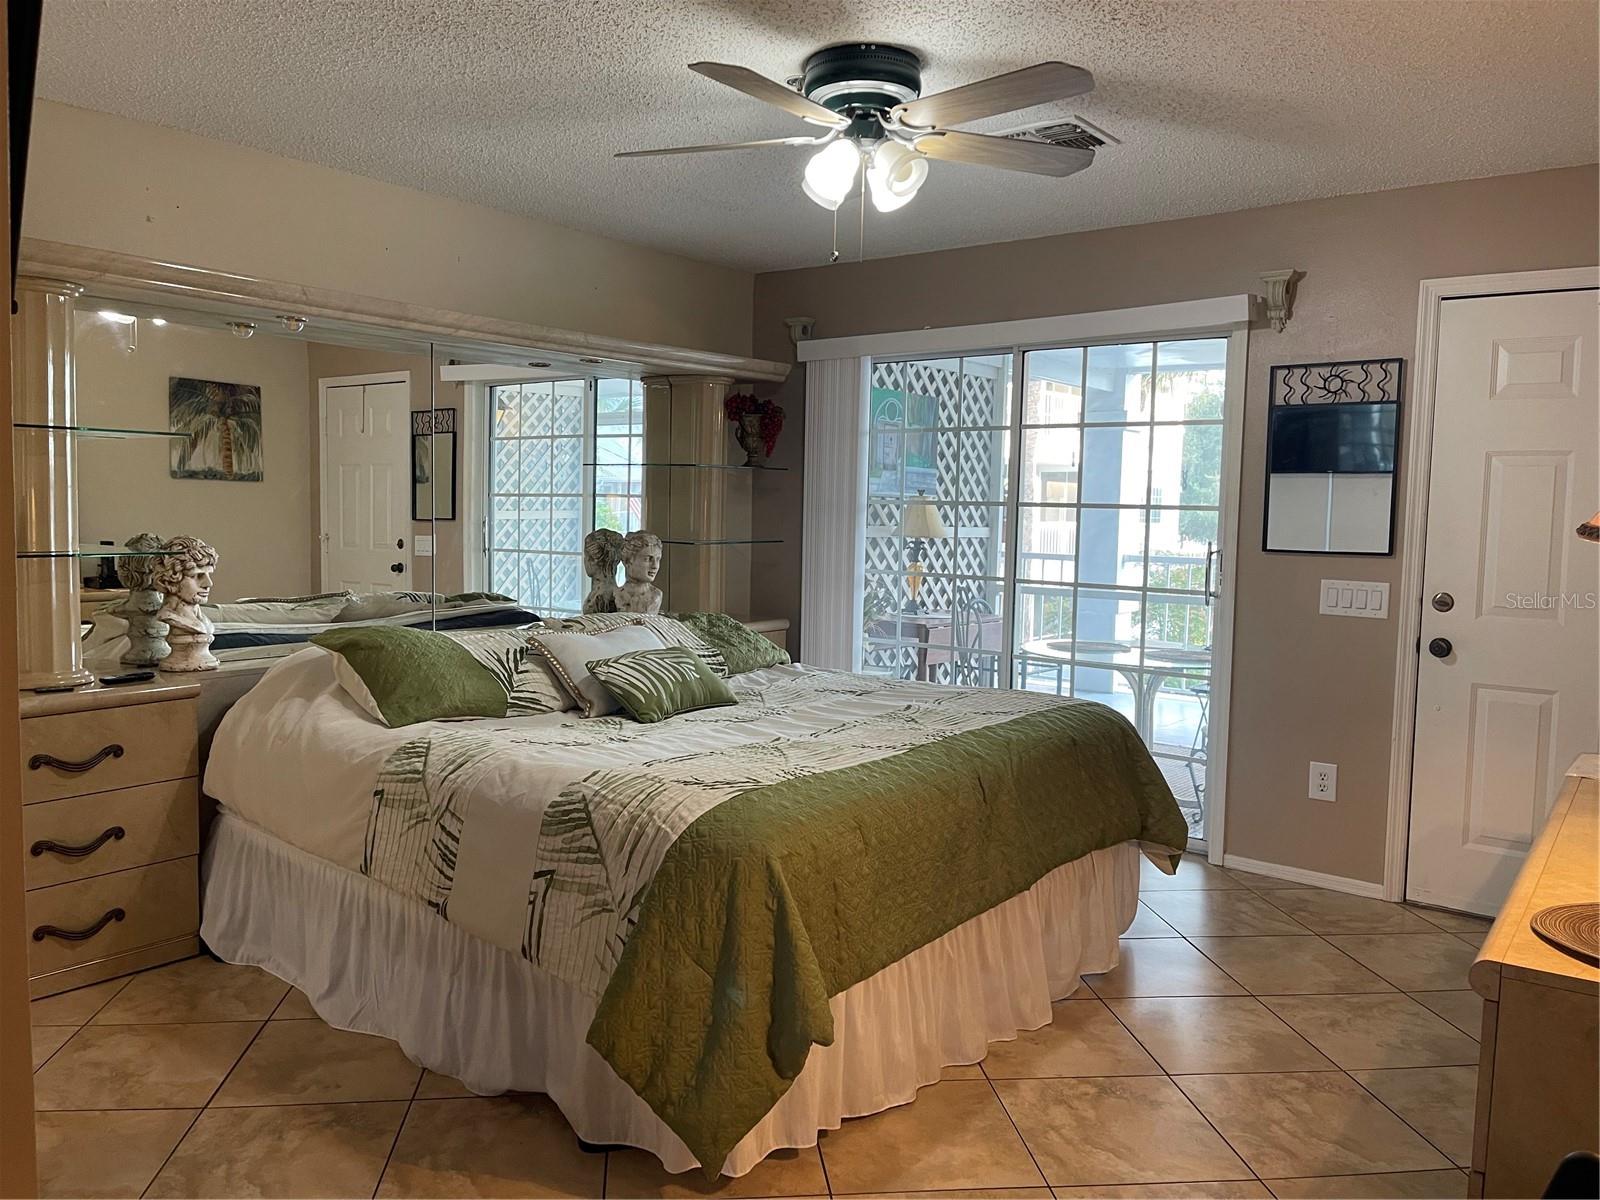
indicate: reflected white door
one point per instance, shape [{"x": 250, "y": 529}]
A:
[
  {"x": 366, "y": 487},
  {"x": 1506, "y": 706}
]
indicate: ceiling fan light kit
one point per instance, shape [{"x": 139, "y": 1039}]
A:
[
  {"x": 831, "y": 173},
  {"x": 897, "y": 171},
  {"x": 868, "y": 97}
]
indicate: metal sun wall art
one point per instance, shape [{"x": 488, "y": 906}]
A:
[{"x": 1358, "y": 381}]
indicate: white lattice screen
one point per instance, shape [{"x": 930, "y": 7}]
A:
[{"x": 937, "y": 433}]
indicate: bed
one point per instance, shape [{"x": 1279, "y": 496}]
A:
[
  {"x": 710, "y": 937},
  {"x": 254, "y": 630}
]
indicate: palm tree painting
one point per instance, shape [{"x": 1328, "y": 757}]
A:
[{"x": 222, "y": 422}]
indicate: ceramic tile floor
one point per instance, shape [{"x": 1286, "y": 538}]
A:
[{"x": 1258, "y": 1039}]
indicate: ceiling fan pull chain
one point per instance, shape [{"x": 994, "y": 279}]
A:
[
  {"x": 834, "y": 256},
  {"x": 861, "y": 231}
]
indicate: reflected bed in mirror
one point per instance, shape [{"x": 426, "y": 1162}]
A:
[{"x": 1332, "y": 436}]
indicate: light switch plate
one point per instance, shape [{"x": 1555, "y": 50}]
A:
[
  {"x": 1353, "y": 598},
  {"x": 422, "y": 547}
]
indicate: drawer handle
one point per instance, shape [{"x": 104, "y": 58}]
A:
[
  {"x": 45, "y": 845},
  {"x": 78, "y": 935},
  {"x": 64, "y": 764}
]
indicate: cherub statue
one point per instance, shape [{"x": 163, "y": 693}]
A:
[
  {"x": 184, "y": 574},
  {"x": 641, "y": 559},
  {"x": 147, "y": 633},
  {"x": 602, "y": 551}
]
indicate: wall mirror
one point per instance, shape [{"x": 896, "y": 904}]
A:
[
  {"x": 1333, "y": 433},
  {"x": 286, "y": 444}
]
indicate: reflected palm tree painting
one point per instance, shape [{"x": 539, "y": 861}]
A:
[{"x": 222, "y": 422}]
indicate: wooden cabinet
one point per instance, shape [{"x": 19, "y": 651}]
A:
[
  {"x": 1540, "y": 1049},
  {"x": 111, "y": 843}
]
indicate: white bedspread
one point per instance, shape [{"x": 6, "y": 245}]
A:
[{"x": 298, "y": 758}]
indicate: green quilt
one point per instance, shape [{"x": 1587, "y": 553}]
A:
[{"x": 715, "y": 879}]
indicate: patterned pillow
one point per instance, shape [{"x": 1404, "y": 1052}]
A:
[
  {"x": 743, "y": 649},
  {"x": 401, "y": 676},
  {"x": 656, "y": 684},
  {"x": 570, "y": 651},
  {"x": 670, "y": 631},
  {"x": 531, "y": 686}
]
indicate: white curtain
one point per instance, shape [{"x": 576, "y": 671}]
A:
[{"x": 833, "y": 559}]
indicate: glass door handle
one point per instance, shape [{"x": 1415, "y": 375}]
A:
[{"x": 1210, "y": 595}]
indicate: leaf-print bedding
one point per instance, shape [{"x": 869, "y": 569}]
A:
[{"x": 714, "y": 878}]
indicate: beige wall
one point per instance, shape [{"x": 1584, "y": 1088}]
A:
[
  {"x": 126, "y": 486},
  {"x": 443, "y": 572},
  {"x": 1305, "y": 687},
  {"x": 115, "y": 184}
]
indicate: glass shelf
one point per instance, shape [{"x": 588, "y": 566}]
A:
[
  {"x": 97, "y": 431},
  {"x": 690, "y": 466},
  {"x": 92, "y": 552},
  {"x": 721, "y": 541}
]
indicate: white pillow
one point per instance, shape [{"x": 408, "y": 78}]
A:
[
  {"x": 672, "y": 632},
  {"x": 569, "y": 653}
]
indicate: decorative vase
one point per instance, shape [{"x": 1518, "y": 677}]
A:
[{"x": 750, "y": 440}]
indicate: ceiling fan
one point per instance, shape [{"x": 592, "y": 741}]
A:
[{"x": 868, "y": 100}]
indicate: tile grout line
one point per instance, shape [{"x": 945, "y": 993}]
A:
[
  {"x": 1342, "y": 1070},
  {"x": 75, "y": 1032},
  {"x": 422, "y": 1073},
  {"x": 1399, "y": 1116},
  {"x": 827, "y": 1179},
  {"x": 1167, "y": 1075},
  {"x": 1001, "y": 1101},
  {"x": 83, "y": 1023},
  {"x": 204, "y": 1108}
]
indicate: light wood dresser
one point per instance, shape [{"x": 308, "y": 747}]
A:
[
  {"x": 1539, "y": 1056},
  {"x": 110, "y": 821}
]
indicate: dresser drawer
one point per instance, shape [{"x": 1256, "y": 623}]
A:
[
  {"x": 82, "y": 836},
  {"x": 158, "y": 903},
  {"x": 70, "y": 754}
]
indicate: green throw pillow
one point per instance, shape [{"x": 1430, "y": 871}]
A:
[
  {"x": 402, "y": 676},
  {"x": 742, "y": 647},
  {"x": 656, "y": 684}
]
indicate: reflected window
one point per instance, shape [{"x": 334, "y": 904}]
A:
[{"x": 566, "y": 457}]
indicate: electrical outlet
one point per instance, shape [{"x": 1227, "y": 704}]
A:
[{"x": 1324, "y": 783}]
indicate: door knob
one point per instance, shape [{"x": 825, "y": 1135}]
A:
[
  {"x": 1440, "y": 647},
  {"x": 399, "y": 568}
]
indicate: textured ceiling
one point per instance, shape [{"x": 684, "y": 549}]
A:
[{"x": 519, "y": 105}]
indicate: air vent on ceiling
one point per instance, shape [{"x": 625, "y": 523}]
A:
[{"x": 1076, "y": 132}]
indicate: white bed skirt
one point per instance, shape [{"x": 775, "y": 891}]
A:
[{"x": 375, "y": 962}]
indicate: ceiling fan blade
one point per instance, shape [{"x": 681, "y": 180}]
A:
[
  {"x": 1038, "y": 84},
  {"x": 789, "y": 141},
  {"x": 1009, "y": 154},
  {"x": 743, "y": 79}
]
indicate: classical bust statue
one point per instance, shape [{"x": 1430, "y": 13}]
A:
[
  {"x": 147, "y": 633},
  {"x": 641, "y": 560},
  {"x": 602, "y": 551},
  {"x": 184, "y": 575}
]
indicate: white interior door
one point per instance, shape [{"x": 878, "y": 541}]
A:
[
  {"x": 366, "y": 486},
  {"x": 1504, "y": 708}
]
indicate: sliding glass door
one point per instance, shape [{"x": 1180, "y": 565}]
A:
[{"x": 1048, "y": 519}]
